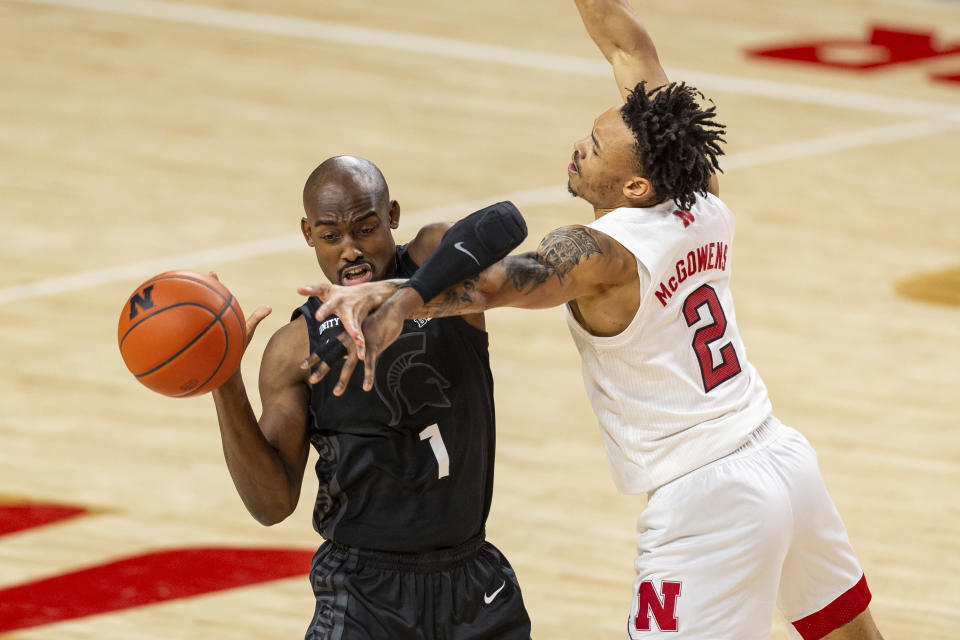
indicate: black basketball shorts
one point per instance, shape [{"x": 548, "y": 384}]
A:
[{"x": 467, "y": 593}]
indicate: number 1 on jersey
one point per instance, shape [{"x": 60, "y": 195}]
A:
[{"x": 439, "y": 450}]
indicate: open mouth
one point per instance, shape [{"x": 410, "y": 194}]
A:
[
  {"x": 572, "y": 167},
  {"x": 356, "y": 274}
]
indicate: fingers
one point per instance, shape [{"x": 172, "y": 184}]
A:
[
  {"x": 370, "y": 369},
  {"x": 321, "y": 290},
  {"x": 356, "y": 335},
  {"x": 259, "y": 314},
  {"x": 319, "y": 367},
  {"x": 344, "y": 310},
  {"x": 341, "y": 349},
  {"x": 351, "y": 315},
  {"x": 330, "y": 352},
  {"x": 346, "y": 373},
  {"x": 254, "y": 319},
  {"x": 316, "y": 366}
]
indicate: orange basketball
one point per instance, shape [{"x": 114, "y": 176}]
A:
[{"x": 182, "y": 333}]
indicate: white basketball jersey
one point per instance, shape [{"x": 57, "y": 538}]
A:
[{"x": 673, "y": 391}]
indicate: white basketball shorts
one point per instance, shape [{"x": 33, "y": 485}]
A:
[{"x": 724, "y": 546}]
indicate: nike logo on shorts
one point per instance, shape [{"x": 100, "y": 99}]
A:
[
  {"x": 487, "y": 599},
  {"x": 459, "y": 247}
]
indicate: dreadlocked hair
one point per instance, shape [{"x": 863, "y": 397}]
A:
[{"x": 677, "y": 141}]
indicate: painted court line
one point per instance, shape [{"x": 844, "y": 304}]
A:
[
  {"x": 837, "y": 142},
  {"x": 138, "y": 271},
  {"x": 527, "y": 198},
  {"x": 463, "y": 50}
]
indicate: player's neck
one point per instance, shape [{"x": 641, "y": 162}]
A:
[{"x": 599, "y": 212}]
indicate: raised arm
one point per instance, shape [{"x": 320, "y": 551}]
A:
[
  {"x": 624, "y": 42},
  {"x": 627, "y": 45}
]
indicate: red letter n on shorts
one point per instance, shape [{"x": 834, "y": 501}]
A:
[{"x": 664, "y": 609}]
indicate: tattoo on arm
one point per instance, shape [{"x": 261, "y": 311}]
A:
[
  {"x": 557, "y": 255},
  {"x": 451, "y": 302},
  {"x": 559, "y": 252}
]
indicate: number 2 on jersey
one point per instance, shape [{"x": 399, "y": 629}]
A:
[
  {"x": 439, "y": 450},
  {"x": 729, "y": 363}
]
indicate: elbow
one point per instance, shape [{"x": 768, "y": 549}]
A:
[
  {"x": 484, "y": 302},
  {"x": 269, "y": 515},
  {"x": 269, "y": 519}
]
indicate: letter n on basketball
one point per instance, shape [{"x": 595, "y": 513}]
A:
[
  {"x": 664, "y": 609},
  {"x": 144, "y": 301}
]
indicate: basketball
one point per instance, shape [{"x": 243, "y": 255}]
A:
[{"x": 181, "y": 333}]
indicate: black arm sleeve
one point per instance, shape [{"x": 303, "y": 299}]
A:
[{"x": 468, "y": 247}]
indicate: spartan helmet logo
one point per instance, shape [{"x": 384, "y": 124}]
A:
[{"x": 405, "y": 385}]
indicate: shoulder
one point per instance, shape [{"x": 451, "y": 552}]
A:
[
  {"x": 574, "y": 237},
  {"x": 427, "y": 240},
  {"x": 286, "y": 349},
  {"x": 596, "y": 254}
]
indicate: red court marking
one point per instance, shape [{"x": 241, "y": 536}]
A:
[
  {"x": 142, "y": 580},
  {"x": 883, "y": 48},
  {"x": 27, "y": 516},
  {"x": 947, "y": 77}
]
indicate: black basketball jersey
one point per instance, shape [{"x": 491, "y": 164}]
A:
[{"x": 407, "y": 466}]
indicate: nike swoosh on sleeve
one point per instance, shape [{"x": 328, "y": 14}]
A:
[{"x": 459, "y": 247}]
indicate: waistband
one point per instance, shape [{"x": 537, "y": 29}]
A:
[
  {"x": 766, "y": 433},
  {"x": 768, "y": 430},
  {"x": 421, "y": 561}
]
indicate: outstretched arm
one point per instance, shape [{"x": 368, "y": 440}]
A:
[
  {"x": 450, "y": 255},
  {"x": 624, "y": 42},
  {"x": 570, "y": 263}
]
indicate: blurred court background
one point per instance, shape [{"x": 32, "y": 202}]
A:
[{"x": 140, "y": 136}]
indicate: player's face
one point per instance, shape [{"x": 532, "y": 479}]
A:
[
  {"x": 352, "y": 237},
  {"x": 603, "y": 162}
]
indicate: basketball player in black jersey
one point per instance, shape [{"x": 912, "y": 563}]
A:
[{"x": 405, "y": 473}]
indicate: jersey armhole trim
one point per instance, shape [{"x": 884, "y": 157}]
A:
[{"x": 606, "y": 342}]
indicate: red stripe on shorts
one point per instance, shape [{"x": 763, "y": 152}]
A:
[{"x": 848, "y": 606}]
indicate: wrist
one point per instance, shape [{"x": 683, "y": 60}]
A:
[
  {"x": 387, "y": 289},
  {"x": 405, "y": 300},
  {"x": 232, "y": 387}
]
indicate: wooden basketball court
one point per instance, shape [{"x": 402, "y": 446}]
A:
[{"x": 140, "y": 136}]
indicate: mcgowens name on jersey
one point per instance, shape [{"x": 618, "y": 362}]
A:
[{"x": 710, "y": 256}]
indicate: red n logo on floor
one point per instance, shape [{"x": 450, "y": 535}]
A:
[{"x": 664, "y": 609}]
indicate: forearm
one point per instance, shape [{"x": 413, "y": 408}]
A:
[
  {"x": 615, "y": 27},
  {"x": 460, "y": 300},
  {"x": 570, "y": 262},
  {"x": 624, "y": 42},
  {"x": 526, "y": 280},
  {"x": 464, "y": 299},
  {"x": 268, "y": 489},
  {"x": 468, "y": 247}
]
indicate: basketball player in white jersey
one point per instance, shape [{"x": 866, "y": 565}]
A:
[{"x": 738, "y": 521}]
